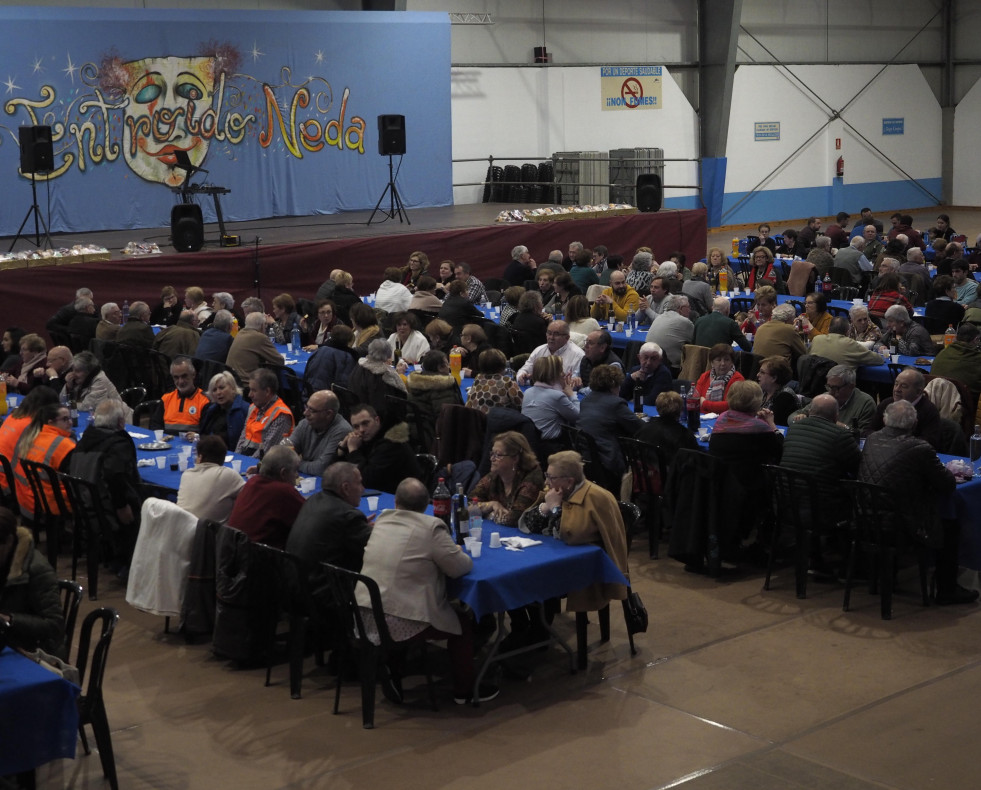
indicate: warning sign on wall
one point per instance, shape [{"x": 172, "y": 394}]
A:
[{"x": 631, "y": 87}]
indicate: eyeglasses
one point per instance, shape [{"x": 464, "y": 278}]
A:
[
  {"x": 551, "y": 477},
  {"x": 495, "y": 454},
  {"x": 833, "y": 388},
  {"x": 314, "y": 411}
]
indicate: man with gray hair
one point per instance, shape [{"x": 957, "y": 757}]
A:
[
  {"x": 650, "y": 376},
  {"x": 778, "y": 337},
  {"x": 855, "y": 408},
  {"x": 909, "y": 386},
  {"x": 85, "y": 322},
  {"x": 557, "y": 345},
  {"x": 253, "y": 304},
  {"x": 554, "y": 262},
  {"x": 181, "y": 339},
  {"x": 575, "y": 247},
  {"x": 853, "y": 260},
  {"x": 873, "y": 246},
  {"x": 217, "y": 338},
  {"x": 673, "y": 328},
  {"x": 914, "y": 264},
  {"x": 910, "y": 469},
  {"x": 522, "y": 266},
  {"x": 317, "y": 435},
  {"x": 268, "y": 504},
  {"x": 820, "y": 255},
  {"x": 136, "y": 331},
  {"x": 819, "y": 445},
  {"x": 903, "y": 333},
  {"x": 837, "y": 346},
  {"x": 250, "y": 347},
  {"x": 60, "y": 320},
  {"x": 108, "y": 327},
  {"x": 330, "y": 527},
  {"x": 718, "y": 327}
]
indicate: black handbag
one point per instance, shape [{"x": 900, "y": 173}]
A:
[{"x": 635, "y": 613}]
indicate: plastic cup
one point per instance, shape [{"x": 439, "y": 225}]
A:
[
  {"x": 476, "y": 533},
  {"x": 372, "y": 503},
  {"x": 307, "y": 485},
  {"x": 161, "y": 461},
  {"x": 182, "y": 463},
  {"x": 11, "y": 402},
  {"x": 628, "y": 331},
  {"x": 237, "y": 465},
  {"x": 495, "y": 540},
  {"x": 475, "y": 547},
  {"x": 158, "y": 435},
  {"x": 173, "y": 460},
  {"x": 894, "y": 358}
]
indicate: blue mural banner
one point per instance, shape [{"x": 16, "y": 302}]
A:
[{"x": 280, "y": 108}]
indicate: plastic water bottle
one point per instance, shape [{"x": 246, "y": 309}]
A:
[
  {"x": 976, "y": 449},
  {"x": 476, "y": 517},
  {"x": 818, "y": 285},
  {"x": 125, "y": 310},
  {"x": 295, "y": 338}
]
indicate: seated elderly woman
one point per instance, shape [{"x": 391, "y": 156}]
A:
[
  {"x": 429, "y": 389},
  {"x": 491, "y": 387},
  {"x": 514, "y": 483},
  {"x": 529, "y": 324},
  {"x": 665, "y": 430},
  {"x": 774, "y": 377},
  {"x": 374, "y": 378},
  {"x": 766, "y": 300},
  {"x": 713, "y": 385},
  {"x": 225, "y": 415},
  {"x": 546, "y": 286},
  {"x": 815, "y": 320},
  {"x": 510, "y": 299},
  {"x": 764, "y": 271},
  {"x": 88, "y": 385},
  {"x": 863, "y": 328},
  {"x": 604, "y": 415},
  {"x": 364, "y": 321},
  {"x": 473, "y": 343},
  {"x": 550, "y": 402},
  {"x": 909, "y": 337},
  {"x": 718, "y": 263},
  {"x": 407, "y": 342},
  {"x": 440, "y": 335},
  {"x": 284, "y": 318}
]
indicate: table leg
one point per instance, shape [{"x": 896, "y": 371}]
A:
[{"x": 582, "y": 624}]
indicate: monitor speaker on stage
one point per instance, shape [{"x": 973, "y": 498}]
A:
[
  {"x": 649, "y": 192},
  {"x": 187, "y": 227},
  {"x": 391, "y": 135},
  {"x": 36, "y": 149}
]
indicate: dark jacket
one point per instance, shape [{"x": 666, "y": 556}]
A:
[
  {"x": 328, "y": 529},
  {"x": 214, "y": 345},
  {"x": 927, "y": 421},
  {"x": 605, "y": 416},
  {"x": 428, "y": 392},
  {"x": 120, "y": 473},
  {"x": 329, "y": 365},
  {"x": 650, "y": 387},
  {"x": 228, "y": 424},
  {"x": 458, "y": 310},
  {"x": 386, "y": 460},
  {"x": 31, "y": 597},
  {"x": 818, "y": 447},
  {"x": 135, "y": 333}
]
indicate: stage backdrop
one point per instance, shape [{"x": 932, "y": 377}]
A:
[{"x": 279, "y": 107}]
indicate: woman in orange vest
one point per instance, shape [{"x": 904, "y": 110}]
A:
[
  {"x": 17, "y": 422},
  {"x": 47, "y": 440}
]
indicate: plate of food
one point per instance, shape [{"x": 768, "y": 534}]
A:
[{"x": 153, "y": 446}]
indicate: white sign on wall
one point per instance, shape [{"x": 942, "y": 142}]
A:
[
  {"x": 630, "y": 87},
  {"x": 766, "y": 130}
]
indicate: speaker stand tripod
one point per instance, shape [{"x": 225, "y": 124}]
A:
[
  {"x": 395, "y": 205},
  {"x": 38, "y": 223}
]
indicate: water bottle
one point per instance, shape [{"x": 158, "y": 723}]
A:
[
  {"x": 976, "y": 450},
  {"x": 272, "y": 335},
  {"x": 125, "y": 310},
  {"x": 296, "y": 338},
  {"x": 476, "y": 517},
  {"x": 818, "y": 285},
  {"x": 442, "y": 504}
]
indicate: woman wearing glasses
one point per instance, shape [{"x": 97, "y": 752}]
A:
[{"x": 514, "y": 482}]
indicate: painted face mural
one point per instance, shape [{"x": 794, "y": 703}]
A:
[{"x": 166, "y": 98}]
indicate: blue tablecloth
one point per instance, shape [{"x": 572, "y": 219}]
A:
[{"x": 38, "y": 715}]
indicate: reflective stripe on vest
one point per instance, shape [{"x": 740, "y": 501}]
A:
[{"x": 255, "y": 424}]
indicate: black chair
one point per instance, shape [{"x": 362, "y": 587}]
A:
[
  {"x": 496, "y": 284},
  {"x": 8, "y": 491},
  {"x": 741, "y": 304},
  {"x": 797, "y": 304},
  {"x": 149, "y": 414},
  {"x": 630, "y": 515},
  {"x": 347, "y": 398},
  {"x": 646, "y": 461},
  {"x": 51, "y": 510},
  {"x": 133, "y": 396},
  {"x": 895, "y": 368},
  {"x": 91, "y": 704},
  {"x": 811, "y": 509},
  {"x": 835, "y": 311},
  {"x": 631, "y": 354},
  {"x": 845, "y": 293},
  {"x": 428, "y": 464},
  {"x": 91, "y": 520},
  {"x": 71, "y": 597},
  {"x": 342, "y": 584},
  {"x": 879, "y": 529},
  {"x": 593, "y": 466}
]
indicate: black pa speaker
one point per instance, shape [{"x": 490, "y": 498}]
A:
[
  {"x": 186, "y": 227},
  {"x": 650, "y": 193},
  {"x": 36, "y": 149},
  {"x": 391, "y": 135}
]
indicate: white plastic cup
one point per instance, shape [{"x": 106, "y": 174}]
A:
[
  {"x": 476, "y": 533},
  {"x": 11, "y": 402},
  {"x": 182, "y": 463},
  {"x": 237, "y": 465},
  {"x": 628, "y": 331},
  {"x": 894, "y": 358},
  {"x": 161, "y": 461},
  {"x": 307, "y": 485},
  {"x": 857, "y": 302},
  {"x": 475, "y": 547},
  {"x": 372, "y": 503},
  {"x": 158, "y": 435},
  {"x": 495, "y": 540}
]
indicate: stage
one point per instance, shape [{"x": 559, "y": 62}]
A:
[{"x": 296, "y": 254}]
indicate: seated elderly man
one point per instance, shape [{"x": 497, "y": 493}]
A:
[
  {"x": 651, "y": 376},
  {"x": 837, "y": 346},
  {"x": 217, "y": 338},
  {"x": 521, "y": 268},
  {"x": 410, "y": 555},
  {"x": 673, "y": 328},
  {"x": 209, "y": 488},
  {"x": 909, "y": 386},
  {"x": 33, "y": 355},
  {"x": 84, "y": 323},
  {"x": 717, "y": 327},
  {"x": 269, "y": 420},
  {"x": 112, "y": 317},
  {"x": 58, "y": 364},
  {"x": 182, "y": 406},
  {"x": 330, "y": 527},
  {"x": 88, "y": 385},
  {"x": 617, "y": 302},
  {"x": 136, "y": 331},
  {"x": 895, "y": 459},
  {"x": 251, "y": 347},
  {"x": 598, "y": 351},
  {"x": 778, "y": 337},
  {"x": 855, "y": 408},
  {"x": 269, "y": 503},
  {"x": 863, "y": 328},
  {"x": 556, "y": 344},
  {"x": 818, "y": 445},
  {"x": 853, "y": 260},
  {"x": 319, "y": 432},
  {"x": 180, "y": 339},
  {"x": 908, "y": 337},
  {"x": 961, "y": 360}
]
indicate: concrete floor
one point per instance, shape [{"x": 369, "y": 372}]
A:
[{"x": 732, "y": 688}]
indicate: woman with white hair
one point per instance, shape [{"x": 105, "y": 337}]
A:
[
  {"x": 863, "y": 328},
  {"x": 88, "y": 385},
  {"x": 225, "y": 415},
  {"x": 905, "y": 334}
]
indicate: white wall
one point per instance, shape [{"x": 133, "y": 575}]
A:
[
  {"x": 967, "y": 152},
  {"x": 531, "y": 113}
]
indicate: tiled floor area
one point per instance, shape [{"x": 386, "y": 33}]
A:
[{"x": 732, "y": 688}]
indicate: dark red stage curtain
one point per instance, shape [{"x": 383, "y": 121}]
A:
[{"x": 31, "y": 295}]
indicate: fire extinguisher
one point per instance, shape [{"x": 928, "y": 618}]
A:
[{"x": 840, "y": 167}]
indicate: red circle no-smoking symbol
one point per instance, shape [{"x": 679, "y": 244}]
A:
[{"x": 631, "y": 92}]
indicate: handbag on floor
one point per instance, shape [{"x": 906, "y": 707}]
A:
[{"x": 635, "y": 613}]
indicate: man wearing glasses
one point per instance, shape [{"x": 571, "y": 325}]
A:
[
  {"x": 556, "y": 344},
  {"x": 853, "y": 404},
  {"x": 319, "y": 432}
]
